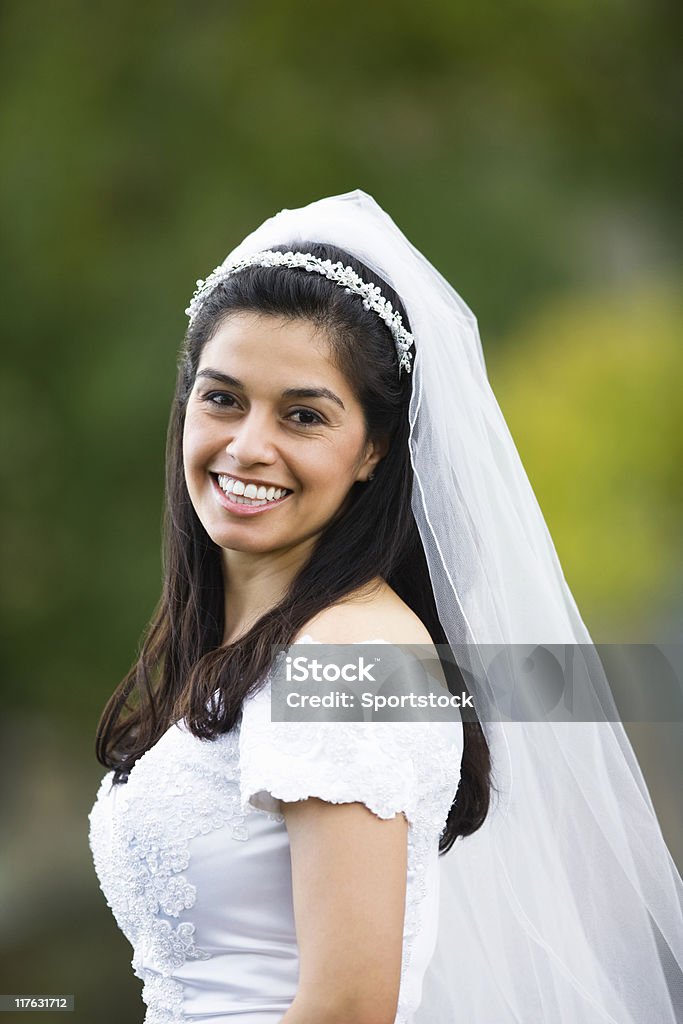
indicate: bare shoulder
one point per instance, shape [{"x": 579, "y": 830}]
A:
[{"x": 373, "y": 613}]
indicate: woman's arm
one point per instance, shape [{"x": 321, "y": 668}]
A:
[{"x": 349, "y": 886}]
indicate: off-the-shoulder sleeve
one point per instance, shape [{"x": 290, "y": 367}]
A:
[{"x": 391, "y": 767}]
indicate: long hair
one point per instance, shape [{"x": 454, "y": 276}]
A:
[{"x": 182, "y": 660}]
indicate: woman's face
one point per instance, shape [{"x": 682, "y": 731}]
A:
[{"x": 268, "y": 408}]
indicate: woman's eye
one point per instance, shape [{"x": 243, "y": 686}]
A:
[
  {"x": 213, "y": 398},
  {"x": 308, "y": 412}
]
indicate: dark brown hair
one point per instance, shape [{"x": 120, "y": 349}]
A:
[{"x": 183, "y": 661}]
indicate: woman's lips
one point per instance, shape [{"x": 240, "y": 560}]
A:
[{"x": 243, "y": 510}]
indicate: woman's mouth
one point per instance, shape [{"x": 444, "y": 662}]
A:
[{"x": 245, "y": 499}]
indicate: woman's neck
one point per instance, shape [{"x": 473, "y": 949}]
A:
[{"x": 255, "y": 583}]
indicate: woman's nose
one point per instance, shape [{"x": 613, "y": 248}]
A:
[{"x": 251, "y": 439}]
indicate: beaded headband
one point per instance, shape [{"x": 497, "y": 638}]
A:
[{"x": 346, "y": 277}]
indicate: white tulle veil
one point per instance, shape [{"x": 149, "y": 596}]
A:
[{"x": 565, "y": 907}]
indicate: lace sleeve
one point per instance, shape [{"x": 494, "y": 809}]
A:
[{"x": 391, "y": 767}]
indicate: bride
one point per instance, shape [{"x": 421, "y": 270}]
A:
[{"x": 339, "y": 472}]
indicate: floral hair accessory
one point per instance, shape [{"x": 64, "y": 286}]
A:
[{"x": 346, "y": 277}]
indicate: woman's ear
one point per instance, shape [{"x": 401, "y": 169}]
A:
[{"x": 376, "y": 452}]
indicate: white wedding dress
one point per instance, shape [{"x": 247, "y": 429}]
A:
[{"x": 192, "y": 853}]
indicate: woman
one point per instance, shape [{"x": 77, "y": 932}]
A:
[{"x": 339, "y": 472}]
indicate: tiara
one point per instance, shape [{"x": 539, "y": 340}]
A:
[{"x": 346, "y": 277}]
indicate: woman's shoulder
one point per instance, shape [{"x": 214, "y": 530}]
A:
[{"x": 374, "y": 612}]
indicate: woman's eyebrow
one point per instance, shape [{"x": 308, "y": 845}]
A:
[{"x": 304, "y": 392}]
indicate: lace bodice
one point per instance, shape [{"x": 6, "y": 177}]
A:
[{"x": 192, "y": 852}]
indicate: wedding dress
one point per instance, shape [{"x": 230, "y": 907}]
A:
[{"x": 192, "y": 852}]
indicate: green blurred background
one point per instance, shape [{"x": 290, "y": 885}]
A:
[{"x": 530, "y": 150}]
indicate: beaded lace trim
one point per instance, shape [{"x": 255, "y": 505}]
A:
[{"x": 141, "y": 860}]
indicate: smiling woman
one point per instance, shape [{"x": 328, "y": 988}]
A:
[
  {"x": 320, "y": 491},
  {"x": 289, "y": 406}
]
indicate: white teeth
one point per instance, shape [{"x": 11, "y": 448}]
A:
[{"x": 249, "y": 494}]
